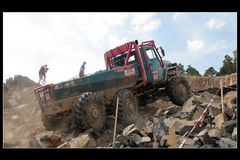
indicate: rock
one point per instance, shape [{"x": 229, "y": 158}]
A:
[
  {"x": 179, "y": 140},
  {"x": 158, "y": 113},
  {"x": 234, "y": 134},
  {"x": 206, "y": 140},
  {"x": 219, "y": 120},
  {"x": 195, "y": 139},
  {"x": 170, "y": 121},
  {"x": 178, "y": 127},
  {"x": 230, "y": 97},
  {"x": 207, "y": 146},
  {"x": 189, "y": 141},
  {"x": 136, "y": 138},
  {"x": 189, "y": 146},
  {"x": 123, "y": 140},
  {"x": 145, "y": 139},
  {"x": 173, "y": 109},
  {"x": 178, "y": 114},
  {"x": 163, "y": 141},
  {"x": 148, "y": 128},
  {"x": 214, "y": 111},
  {"x": 188, "y": 105},
  {"x": 165, "y": 112},
  {"x": 83, "y": 140},
  {"x": 202, "y": 133},
  {"x": 160, "y": 129},
  {"x": 216, "y": 105},
  {"x": 155, "y": 145},
  {"x": 229, "y": 109},
  {"x": 129, "y": 129},
  {"x": 48, "y": 139},
  {"x": 195, "y": 101},
  {"x": 208, "y": 121},
  {"x": 196, "y": 115},
  {"x": 229, "y": 125},
  {"x": 162, "y": 105},
  {"x": 227, "y": 143},
  {"x": 183, "y": 115},
  {"x": 198, "y": 112},
  {"x": 215, "y": 133}
]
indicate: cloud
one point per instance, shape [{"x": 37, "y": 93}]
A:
[
  {"x": 195, "y": 45},
  {"x": 215, "y": 23},
  {"x": 145, "y": 22},
  {"x": 178, "y": 15}
]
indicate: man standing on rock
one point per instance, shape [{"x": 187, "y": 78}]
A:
[
  {"x": 42, "y": 73},
  {"x": 81, "y": 73}
]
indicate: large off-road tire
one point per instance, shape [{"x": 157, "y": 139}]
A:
[
  {"x": 88, "y": 112},
  {"x": 178, "y": 90},
  {"x": 128, "y": 110}
]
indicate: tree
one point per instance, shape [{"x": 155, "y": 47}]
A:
[
  {"x": 180, "y": 69},
  {"x": 210, "y": 72},
  {"x": 227, "y": 67},
  {"x": 192, "y": 71}
]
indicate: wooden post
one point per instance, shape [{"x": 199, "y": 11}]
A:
[
  {"x": 221, "y": 85},
  {"x": 115, "y": 122},
  {"x": 172, "y": 137}
]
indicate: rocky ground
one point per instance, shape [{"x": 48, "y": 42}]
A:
[{"x": 163, "y": 125}]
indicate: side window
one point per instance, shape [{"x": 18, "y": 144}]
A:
[
  {"x": 150, "y": 53},
  {"x": 131, "y": 58}
]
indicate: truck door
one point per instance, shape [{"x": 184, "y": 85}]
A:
[{"x": 156, "y": 69}]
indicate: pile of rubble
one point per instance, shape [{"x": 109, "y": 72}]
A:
[
  {"x": 17, "y": 90},
  {"x": 166, "y": 128}
]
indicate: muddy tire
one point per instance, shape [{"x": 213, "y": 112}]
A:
[
  {"x": 128, "y": 110},
  {"x": 178, "y": 90},
  {"x": 88, "y": 112}
]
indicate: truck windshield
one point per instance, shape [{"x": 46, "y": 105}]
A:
[{"x": 150, "y": 53}]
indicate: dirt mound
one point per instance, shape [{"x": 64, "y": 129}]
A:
[
  {"x": 20, "y": 82},
  {"x": 21, "y": 112}
]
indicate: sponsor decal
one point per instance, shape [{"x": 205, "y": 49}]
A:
[
  {"x": 128, "y": 70},
  {"x": 155, "y": 74}
]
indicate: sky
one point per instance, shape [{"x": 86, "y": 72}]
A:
[{"x": 63, "y": 40}]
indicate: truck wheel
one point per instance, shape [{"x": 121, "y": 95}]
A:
[
  {"x": 178, "y": 90},
  {"x": 127, "y": 108},
  {"x": 88, "y": 112}
]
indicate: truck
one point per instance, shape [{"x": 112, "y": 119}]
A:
[{"x": 132, "y": 71}]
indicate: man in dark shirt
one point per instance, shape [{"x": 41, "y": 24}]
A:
[
  {"x": 81, "y": 73},
  {"x": 42, "y": 73}
]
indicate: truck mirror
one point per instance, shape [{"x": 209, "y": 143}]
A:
[{"x": 162, "y": 51}]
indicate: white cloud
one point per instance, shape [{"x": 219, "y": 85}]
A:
[
  {"x": 178, "y": 15},
  {"x": 215, "y": 23},
  {"x": 195, "y": 45},
  {"x": 145, "y": 22}
]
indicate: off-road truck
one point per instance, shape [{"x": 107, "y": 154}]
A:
[{"x": 132, "y": 71}]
